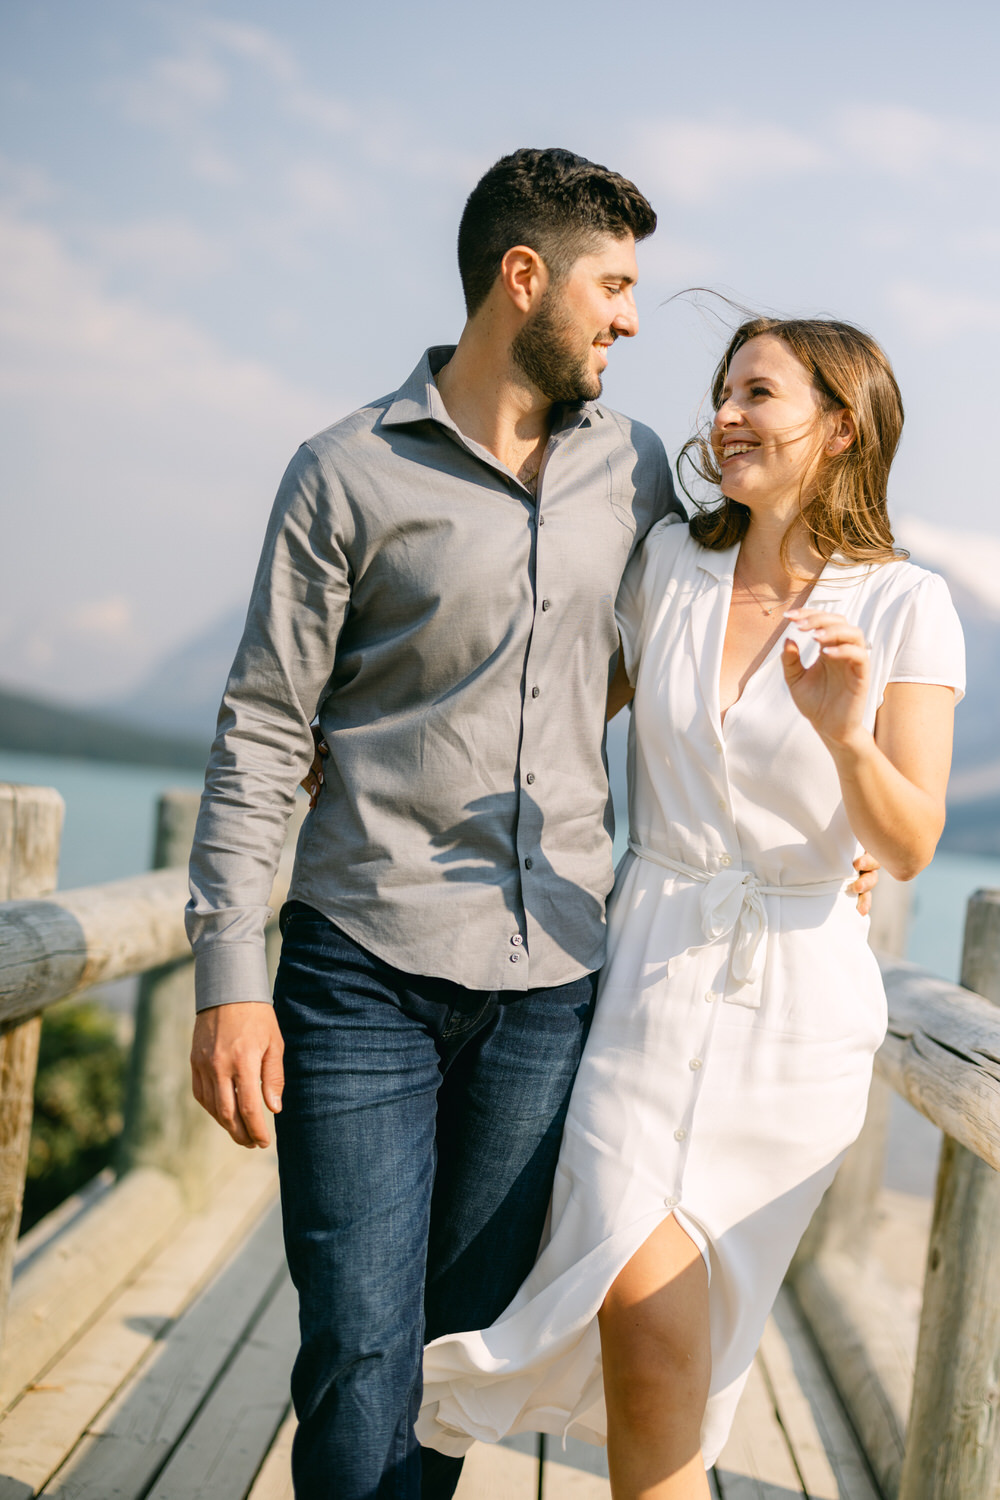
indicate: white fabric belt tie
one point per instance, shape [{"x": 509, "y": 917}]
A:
[{"x": 733, "y": 901}]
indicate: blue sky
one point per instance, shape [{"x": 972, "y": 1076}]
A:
[{"x": 224, "y": 225}]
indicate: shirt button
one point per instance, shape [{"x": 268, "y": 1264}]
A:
[
  {"x": 694, "y": 1064},
  {"x": 528, "y": 862},
  {"x": 535, "y": 692},
  {"x": 718, "y": 747},
  {"x": 530, "y": 778},
  {"x": 541, "y": 520},
  {"x": 721, "y": 804},
  {"x": 680, "y": 1135},
  {"x": 711, "y": 996},
  {"x": 514, "y": 957},
  {"x": 517, "y": 940},
  {"x": 671, "y": 1202},
  {"x": 725, "y": 859},
  {"x": 546, "y": 603}
]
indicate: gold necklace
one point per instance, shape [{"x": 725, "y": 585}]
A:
[{"x": 758, "y": 601}]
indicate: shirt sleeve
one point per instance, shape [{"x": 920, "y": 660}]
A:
[
  {"x": 931, "y": 645},
  {"x": 263, "y": 745},
  {"x": 637, "y": 587}
]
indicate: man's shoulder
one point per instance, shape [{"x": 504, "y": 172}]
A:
[
  {"x": 350, "y": 432},
  {"x": 642, "y": 437}
]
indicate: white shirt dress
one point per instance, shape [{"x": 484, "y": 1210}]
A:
[{"x": 728, "y": 1067}]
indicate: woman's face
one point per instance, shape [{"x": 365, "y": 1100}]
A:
[{"x": 771, "y": 431}]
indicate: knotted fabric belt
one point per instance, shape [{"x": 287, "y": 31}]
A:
[{"x": 733, "y": 902}]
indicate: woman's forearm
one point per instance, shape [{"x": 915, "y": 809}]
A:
[{"x": 897, "y": 821}]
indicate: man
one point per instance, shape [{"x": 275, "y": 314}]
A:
[{"x": 437, "y": 584}]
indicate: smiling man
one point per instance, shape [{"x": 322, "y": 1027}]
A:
[{"x": 437, "y": 584}]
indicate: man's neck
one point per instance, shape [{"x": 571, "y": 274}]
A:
[{"x": 492, "y": 403}]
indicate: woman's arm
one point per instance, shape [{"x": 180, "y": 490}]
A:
[
  {"x": 893, "y": 782},
  {"x": 621, "y": 690}
]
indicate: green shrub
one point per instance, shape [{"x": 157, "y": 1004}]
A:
[{"x": 79, "y": 1092}]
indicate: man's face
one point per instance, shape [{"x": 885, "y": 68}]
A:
[{"x": 563, "y": 347}]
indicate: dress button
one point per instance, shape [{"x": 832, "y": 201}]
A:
[
  {"x": 694, "y": 1064},
  {"x": 711, "y": 996},
  {"x": 514, "y": 957},
  {"x": 721, "y": 804},
  {"x": 718, "y": 747},
  {"x": 671, "y": 1202},
  {"x": 535, "y": 692},
  {"x": 725, "y": 859},
  {"x": 546, "y": 603},
  {"x": 530, "y": 778},
  {"x": 680, "y": 1135},
  {"x": 517, "y": 940},
  {"x": 528, "y": 862}
]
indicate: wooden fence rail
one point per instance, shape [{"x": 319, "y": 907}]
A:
[{"x": 942, "y": 1054}]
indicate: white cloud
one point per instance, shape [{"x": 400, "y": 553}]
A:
[
  {"x": 171, "y": 249},
  {"x": 176, "y": 91},
  {"x": 140, "y": 456},
  {"x": 103, "y": 617},
  {"x": 933, "y": 316},
  {"x": 693, "y": 160},
  {"x": 908, "y": 143}
]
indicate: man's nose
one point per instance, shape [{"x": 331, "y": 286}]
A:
[{"x": 626, "y": 323}]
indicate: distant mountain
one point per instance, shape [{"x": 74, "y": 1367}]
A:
[
  {"x": 971, "y": 565},
  {"x": 183, "y": 692},
  {"x": 31, "y": 725}
]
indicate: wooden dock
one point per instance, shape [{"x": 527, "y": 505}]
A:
[
  {"x": 174, "y": 1386},
  {"x": 150, "y": 1327}
]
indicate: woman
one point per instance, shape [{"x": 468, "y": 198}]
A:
[{"x": 729, "y": 1063}]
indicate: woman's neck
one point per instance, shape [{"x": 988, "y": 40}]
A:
[{"x": 761, "y": 559}]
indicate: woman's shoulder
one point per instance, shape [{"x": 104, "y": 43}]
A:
[
  {"x": 899, "y": 579},
  {"x": 666, "y": 542}
]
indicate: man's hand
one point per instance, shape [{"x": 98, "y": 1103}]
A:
[
  {"x": 867, "y": 867},
  {"x": 236, "y": 1068}
]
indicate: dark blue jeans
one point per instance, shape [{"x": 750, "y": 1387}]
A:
[{"x": 417, "y": 1145}]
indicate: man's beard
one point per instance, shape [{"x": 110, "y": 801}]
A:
[{"x": 543, "y": 351}]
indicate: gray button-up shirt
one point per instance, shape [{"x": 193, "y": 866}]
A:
[{"x": 455, "y": 637}]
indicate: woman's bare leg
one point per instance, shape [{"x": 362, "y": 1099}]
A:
[{"x": 657, "y": 1364}]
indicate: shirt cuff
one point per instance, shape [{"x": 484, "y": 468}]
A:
[{"x": 231, "y": 973}]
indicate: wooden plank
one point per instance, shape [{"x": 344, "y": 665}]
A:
[
  {"x": 30, "y": 827},
  {"x": 756, "y": 1463},
  {"x": 942, "y": 1053},
  {"x": 564, "y": 1482},
  {"x": 136, "y": 1433},
  {"x": 223, "y": 1450},
  {"x": 494, "y": 1473},
  {"x": 274, "y": 1482},
  {"x": 866, "y": 1337},
  {"x": 46, "y": 1423},
  {"x": 64, "y": 1289},
  {"x": 827, "y": 1454}
]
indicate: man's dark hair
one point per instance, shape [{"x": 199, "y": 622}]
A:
[{"x": 556, "y": 203}]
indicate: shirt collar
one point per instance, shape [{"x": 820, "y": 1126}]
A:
[
  {"x": 419, "y": 400},
  {"x": 837, "y": 571}
]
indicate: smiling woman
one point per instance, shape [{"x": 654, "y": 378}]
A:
[{"x": 841, "y": 496}]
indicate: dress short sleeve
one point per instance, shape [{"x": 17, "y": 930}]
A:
[
  {"x": 931, "y": 644},
  {"x": 637, "y": 588}
]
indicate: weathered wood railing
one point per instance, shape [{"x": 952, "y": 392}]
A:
[
  {"x": 942, "y": 1054},
  {"x": 929, "y": 1421},
  {"x": 53, "y": 946}
]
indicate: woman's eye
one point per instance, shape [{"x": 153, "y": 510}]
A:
[{"x": 759, "y": 390}]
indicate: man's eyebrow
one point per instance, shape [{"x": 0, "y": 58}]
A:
[{"x": 620, "y": 276}]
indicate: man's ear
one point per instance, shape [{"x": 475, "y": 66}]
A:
[{"x": 524, "y": 277}]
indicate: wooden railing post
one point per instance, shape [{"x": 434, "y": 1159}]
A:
[
  {"x": 31, "y": 820},
  {"x": 953, "y": 1437},
  {"x": 164, "y": 1126}
]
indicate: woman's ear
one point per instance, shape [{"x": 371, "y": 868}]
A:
[{"x": 844, "y": 433}]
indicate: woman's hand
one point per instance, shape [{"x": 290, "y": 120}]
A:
[
  {"x": 313, "y": 779},
  {"x": 832, "y": 692}
]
